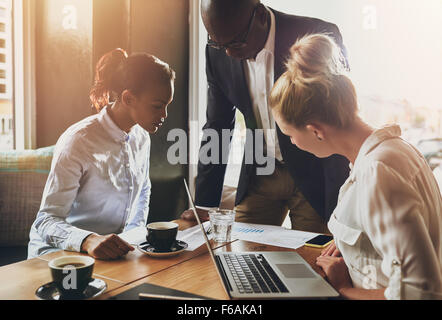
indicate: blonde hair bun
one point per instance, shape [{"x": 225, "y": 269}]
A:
[
  {"x": 315, "y": 86},
  {"x": 314, "y": 58}
]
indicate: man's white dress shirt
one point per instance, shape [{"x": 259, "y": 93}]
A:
[
  {"x": 98, "y": 183},
  {"x": 260, "y": 79}
]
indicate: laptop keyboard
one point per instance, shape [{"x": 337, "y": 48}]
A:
[{"x": 253, "y": 274}]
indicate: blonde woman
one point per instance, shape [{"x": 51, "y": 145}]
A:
[{"x": 387, "y": 223}]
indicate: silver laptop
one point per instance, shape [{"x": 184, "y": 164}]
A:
[{"x": 265, "y": 275}]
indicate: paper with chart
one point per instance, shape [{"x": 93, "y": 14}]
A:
[{"x": 271, "y": 235}]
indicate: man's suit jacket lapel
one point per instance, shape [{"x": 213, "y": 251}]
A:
[
  {"x": 281, "y": 46},
  {"x": 243, "y": 94}
]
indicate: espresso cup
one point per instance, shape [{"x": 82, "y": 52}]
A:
[
  {"x": 71, "y": 274},
  {"x": 162, "y": 235}
]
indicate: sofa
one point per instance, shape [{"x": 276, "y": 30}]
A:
[{"x": 23, "y": 176}]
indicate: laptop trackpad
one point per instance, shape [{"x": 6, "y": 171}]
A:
[{"x": 297, "y": 270}]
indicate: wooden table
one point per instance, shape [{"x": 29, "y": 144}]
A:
[{"x": 191, "y": 271}]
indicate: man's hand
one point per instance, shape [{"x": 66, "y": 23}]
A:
[
  {"x": 336, "y": 271},
  {"x": 105, "y": 247},
  {"x": 189, "y": 215},
  {"x": 331, "y": 250}
]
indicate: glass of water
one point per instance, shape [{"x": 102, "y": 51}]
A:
[{"x": 221, "y": 222}]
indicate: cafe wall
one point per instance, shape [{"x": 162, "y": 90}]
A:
[
  {"x": 63, "y": 65},
  {"x": 162, "y": 29},
  {"x": 71, "y": 35}
]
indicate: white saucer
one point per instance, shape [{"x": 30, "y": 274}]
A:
[{"x": 178, "y": 247}]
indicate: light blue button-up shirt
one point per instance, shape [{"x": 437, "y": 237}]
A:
[{"x": 99, "y": 183}]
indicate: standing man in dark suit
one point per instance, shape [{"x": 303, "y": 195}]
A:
[{"x": 248, "y": 44}]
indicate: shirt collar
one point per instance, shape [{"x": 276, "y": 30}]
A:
[
  {"x": 110, "y": 126},
  {"x": 270, "y": 43},
  {"x": 269, "y": 46},
  {"x": 377, "y": 137}
]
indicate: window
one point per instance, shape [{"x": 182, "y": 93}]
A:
[
  {"x": 197, "y": 104},
  {"x": 395, "y": 55},
  {"x": 17, "y": 93},
  {"x": 6, "y": 106}
]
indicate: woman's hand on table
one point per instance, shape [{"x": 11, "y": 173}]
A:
[
  {"x": 106, "y": 247},
  {"x": 331, "y": 250},
  {"x": 337, "y": 274},
  {"x": 336, "y": 271}
]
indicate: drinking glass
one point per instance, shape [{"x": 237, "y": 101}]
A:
[{"x": 221, "y": 222}]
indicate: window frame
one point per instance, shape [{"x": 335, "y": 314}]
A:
[
  {"x": 24, "y": 92},
  {"x": 198, "y": 103},
  {"x": 197, "y": 88}
]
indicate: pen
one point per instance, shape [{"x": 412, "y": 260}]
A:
[{"x": 163, "y": 296}]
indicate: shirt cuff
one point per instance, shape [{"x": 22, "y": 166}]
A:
[
  {"x": 206, "y": 208},
  {"x": 76, "y": 238}
]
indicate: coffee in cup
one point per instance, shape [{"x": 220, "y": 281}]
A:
[
  {"x": 71, "y": 274},
  {"x": 162, "y": 235}
]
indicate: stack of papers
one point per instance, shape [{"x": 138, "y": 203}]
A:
[
  {"x": 134, "y": 236},
  {"x": 265, "y": 234},
  {"x": 193, "y": 236}
]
